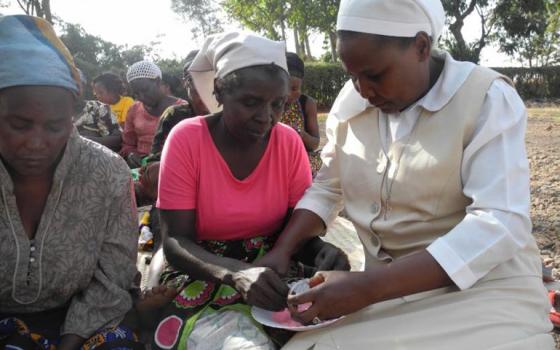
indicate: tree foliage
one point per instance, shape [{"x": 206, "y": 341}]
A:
[
  {"x": 94, "y": 55},
  {"x": 204, "y": 14},
  {"x": 267, "y": 17},
  {"x": 457, "y": 11},
  {"x": 529, "y": 30}
]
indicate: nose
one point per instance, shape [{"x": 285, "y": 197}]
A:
[
  {"x": 37, "y": 142},
  {"x": 364, "y": 88}
]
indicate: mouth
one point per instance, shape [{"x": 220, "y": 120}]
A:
[{"x": 35, "y": 161}]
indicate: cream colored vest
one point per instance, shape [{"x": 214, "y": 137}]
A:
[{"x": 426, "y": 192}]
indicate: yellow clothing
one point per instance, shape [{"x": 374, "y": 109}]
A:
[{"x": 120, "y": 109}]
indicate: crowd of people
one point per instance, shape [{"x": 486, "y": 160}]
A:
[{"x": 424, "y": 154}]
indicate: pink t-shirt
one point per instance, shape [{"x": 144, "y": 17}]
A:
[
  {"x": 139, "y": 129},
  {"x": 194, "y": 175}
]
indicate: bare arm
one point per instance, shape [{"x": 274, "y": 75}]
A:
[
  {"x": 310, "y": 134},
  {"x": 258, "y": 285}
]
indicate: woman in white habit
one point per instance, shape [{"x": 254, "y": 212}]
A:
[{"x": 427, "y": 157}]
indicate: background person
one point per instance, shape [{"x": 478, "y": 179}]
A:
[
  {"x": 144, "y": 78},
  {"x": 95, "y": 121},
  {"x": 110, "y": 89},
  {"x": 174, "y": 114},
  {"x": 301, "y": 112}
]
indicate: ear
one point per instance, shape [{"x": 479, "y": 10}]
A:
[
  {"x": 218, "y": 90},
  {"x": 423, "y": 46}
]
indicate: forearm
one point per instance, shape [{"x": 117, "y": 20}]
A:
[
  {"x": 303, "y": 226},
  {"x": 311, "y": 142},
  {"x": 394, "y": 280},
  {"x": 185, "y": 255}
]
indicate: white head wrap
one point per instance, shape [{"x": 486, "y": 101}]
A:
[
  {"x": 143, "y": 69},
  {"x": 397, "y": 18},
  {"x": 224, "y": 53}
]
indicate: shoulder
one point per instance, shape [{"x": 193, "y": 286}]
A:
[
  {"x": 308, "y": 100},
  {"x": 183, "y": 110},
  {"x": 190, "y": 130},
  {"x": 98, "y": 162},
  {"x": 136, "y": 106},
  {"x": 126, "y": 100},
  {"x": 285, "y": 135}
]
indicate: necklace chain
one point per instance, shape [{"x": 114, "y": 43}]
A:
[{"x": 386, "y": 183}]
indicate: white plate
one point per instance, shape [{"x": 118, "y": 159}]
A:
[{"x": 282, "y": 320}]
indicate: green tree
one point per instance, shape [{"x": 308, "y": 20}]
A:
[
  {"x": 457, "y": 11},
  {"x": 267, "y": 17},
  {"x": 529, "y": 30},
  {"x": 204, "y": 14}
]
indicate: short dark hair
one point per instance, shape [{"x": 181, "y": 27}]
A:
[
  {"x": 112, "y": 83},
  {"x": 296, "y": 67}
]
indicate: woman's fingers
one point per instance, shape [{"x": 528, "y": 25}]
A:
[{"x": 317, "y": 279}]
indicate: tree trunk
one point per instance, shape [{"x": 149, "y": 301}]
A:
[
  {"x": 307, "y": 46},
  {"x": 46, "y": 5},
  {"x": 296, "y": 41},
  {"x": 332, "y": 41},
  {"x": 283, "y": 29}
]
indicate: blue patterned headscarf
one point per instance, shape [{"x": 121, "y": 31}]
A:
[{"x": 32, "y": 54}]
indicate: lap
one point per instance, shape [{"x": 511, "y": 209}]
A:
[
  {"x": 502, "y": 314},
  {"x": 17, "y": 334}
]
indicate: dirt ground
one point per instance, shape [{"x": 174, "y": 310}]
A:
[{"x": 543, "y": 150}]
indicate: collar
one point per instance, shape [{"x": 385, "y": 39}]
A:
[
  {"x": 350, "y": 103},
  {"x": 71, "y": 153}
]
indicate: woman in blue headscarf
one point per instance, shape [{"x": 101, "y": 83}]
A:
[{"x": 67, "y": 216}]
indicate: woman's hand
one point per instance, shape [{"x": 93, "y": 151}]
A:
[
  {"x": 262, "y": 287},
  {"x": 332, "y": 294},
  {"x": 277, "y": 260}
]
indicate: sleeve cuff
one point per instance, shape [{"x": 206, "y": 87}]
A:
[
  {"x": 327, "y": 213},
  {"x": 454, "y": 266}
]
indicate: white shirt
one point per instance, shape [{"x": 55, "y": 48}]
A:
[{"x": 494, "y": 171}]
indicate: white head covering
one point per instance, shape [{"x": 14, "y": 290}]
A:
[
  {"x": 224, "y": 53},
  {"x": 143, "y": 69},
  {"x": 398, "y": 18}
]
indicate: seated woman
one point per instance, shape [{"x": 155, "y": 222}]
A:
[
  {"x": 301, "y": 112},
  {"x": 95, "y": 121},
  {"x": 110, "y": 89},
  {"x": 170, "y": 84},
  {"x": 227, "y": 184},
  {"x": 67, "y": 218},
  {"x": 144, "y": 78},
  {"x": 174, "y": 114},
  {"x": 427, "y": 156}
]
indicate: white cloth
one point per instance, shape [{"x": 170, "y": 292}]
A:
[
  {"x": 227, "y": 330},
  {"x": 143, "y": 70},
  {"x": 397, "y": 18},
  {"x": 225, "y": 53},
  {"x": 502, "y": 314},
  {"x": 497, "y": 223}
]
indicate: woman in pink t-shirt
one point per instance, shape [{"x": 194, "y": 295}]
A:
[
  {"x": 142, "y": 118},
  {"x": 228, "y": 183}
]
